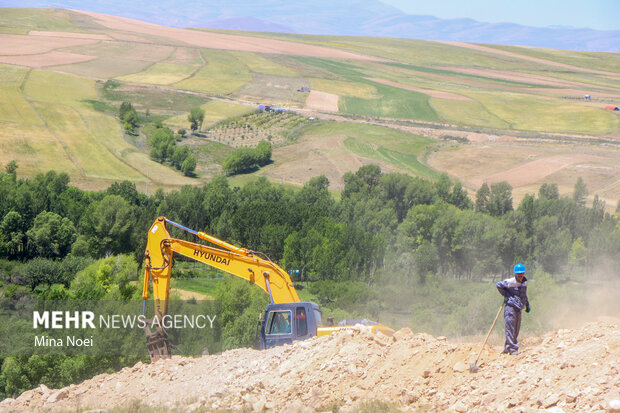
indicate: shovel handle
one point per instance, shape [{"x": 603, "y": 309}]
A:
[{"x": 489, "y": 333}]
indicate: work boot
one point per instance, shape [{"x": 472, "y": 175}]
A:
[{"x": 514, "y": 353}]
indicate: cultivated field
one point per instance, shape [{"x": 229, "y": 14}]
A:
[{"x": 517, "y": 113}]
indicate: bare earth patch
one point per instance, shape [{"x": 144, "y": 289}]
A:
[
  {"x": 70, "y": 35},
  {"x": 129, "y": 37},
  {"x": 528, "y": 163},
  {"x": 185, "y": 55},
  {"x": 223, "y": 41},
  {"x": 16, "y": 45},
  {"x": 187, "y": 295},
  {"x": 46, "y": 59},
  {"x": 432, "y": 93},
  {"x": 538, "y": 169},
  {"x": 318, "y": 100},
  {"x": 317, "y": 155}
]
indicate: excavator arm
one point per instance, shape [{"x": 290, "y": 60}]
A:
[{"x": 240, "y": 262}]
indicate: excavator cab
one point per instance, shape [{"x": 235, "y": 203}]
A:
[{"x": 287, "y": 322}]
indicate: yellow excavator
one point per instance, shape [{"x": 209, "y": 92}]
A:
[{"x": 285, "y": 319}]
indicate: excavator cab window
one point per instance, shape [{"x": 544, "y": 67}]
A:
[
  {"x": 302, "y": 322},
  {"x": 279, "y": 322}
]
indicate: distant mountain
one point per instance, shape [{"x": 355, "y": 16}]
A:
[
  {"x": 344, "y": 17},
  {"x": 248, "y": 23}
]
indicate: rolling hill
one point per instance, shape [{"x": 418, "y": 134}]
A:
[{"x": 479, "y": 113}]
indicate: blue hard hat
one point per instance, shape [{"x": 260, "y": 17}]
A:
[{"x": 519, "y": 269}]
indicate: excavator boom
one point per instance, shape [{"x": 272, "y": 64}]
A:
[
  {"x": 236, "y": 261},
  {"x": 243, "y": 263},
  {"x": 286, "y": 319}
]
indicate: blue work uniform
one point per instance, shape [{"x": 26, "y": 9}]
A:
[{"x": 515, "y": 293}]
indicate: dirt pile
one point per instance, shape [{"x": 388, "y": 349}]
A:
[{"x": 564, "y": 371}]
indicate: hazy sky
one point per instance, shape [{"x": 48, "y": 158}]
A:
[{"x": 596, "y": 14}]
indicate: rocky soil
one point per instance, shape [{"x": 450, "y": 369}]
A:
[{"x": 564, "y": 371}]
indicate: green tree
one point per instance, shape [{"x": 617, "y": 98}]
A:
[
  {"x": 426, "y": 261},
  {"x": 51, "y": 235},
  {"x": 553, "y": 244},
  {"x": 240, "y": 303},
  {"x": 108, "y": 278},
  {"x": 125, "y": 108},
  {"x": 458, "y": 197},
  {"x": 482, "y": 198},
  {"x": 12, "y": 235},
  {"x": 500, "y": 199},
  {"x": 130, "y": 121},
  {"x": 128, "y": 116},
  {"x": 189, "y": 165},
  {"x": 580, "y": 192},
  {"x": 162, "y": 144},
  {"x": 179, "y": 155},
  {"x": 549, "y": 191},
  {"x": 109, "y": 226},
  {"x": 442, "y": 187},
  {"x": 11, "y": 168},
  {"x": 196, "y": 117},
  {"x": 598, "y": 208},
  {"x": 240, "y": 160},
  {"x": 578, "y": 254},
  {"x": 263, "y": 153}
]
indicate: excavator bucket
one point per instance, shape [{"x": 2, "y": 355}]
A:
[{"x": 157, "y": 344}]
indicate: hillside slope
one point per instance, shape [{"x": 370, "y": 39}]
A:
[{"x": 566, "y": 370}]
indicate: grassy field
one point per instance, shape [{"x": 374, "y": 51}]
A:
[
  {"x": 257, "y": 63},
  {"x": 223, "y": 73},
  {"x": 14, "y": 107},
  {"x": 116, "y": 58},
  {"x": 411, "y": 51},
  {"x": 345, "y": 88},
  {"x": 21, "y": 21},
  {"x": 50, "y": 87},
  {"x": 471, "y": 113},
  {"x": 395, "y": 148},
  {"x": 206, "y": 286},
  {"x": 609, "y": 62},
  {"x": 87, "y": 144},
  {"x": 274, "y": 90},
  {"x": 464, "y": 76},
  {"x": 160, "y": 74},
  {"x": 145, "y": 97},
  {"x": 215, "y": 111},
  {"x": 394, "y": 103},
  {"x": 526, "y": 112}
]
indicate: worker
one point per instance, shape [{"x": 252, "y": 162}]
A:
[
  {"x": 514, "y": 291},
  {"x": 282, "y": 323}
]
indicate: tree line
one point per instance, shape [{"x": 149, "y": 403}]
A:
[
  {"x": 247, "y": 159},
  {"x": 383, "y": 222}
]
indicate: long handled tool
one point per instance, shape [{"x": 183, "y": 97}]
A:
[{"x": 473, "y": 367}]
